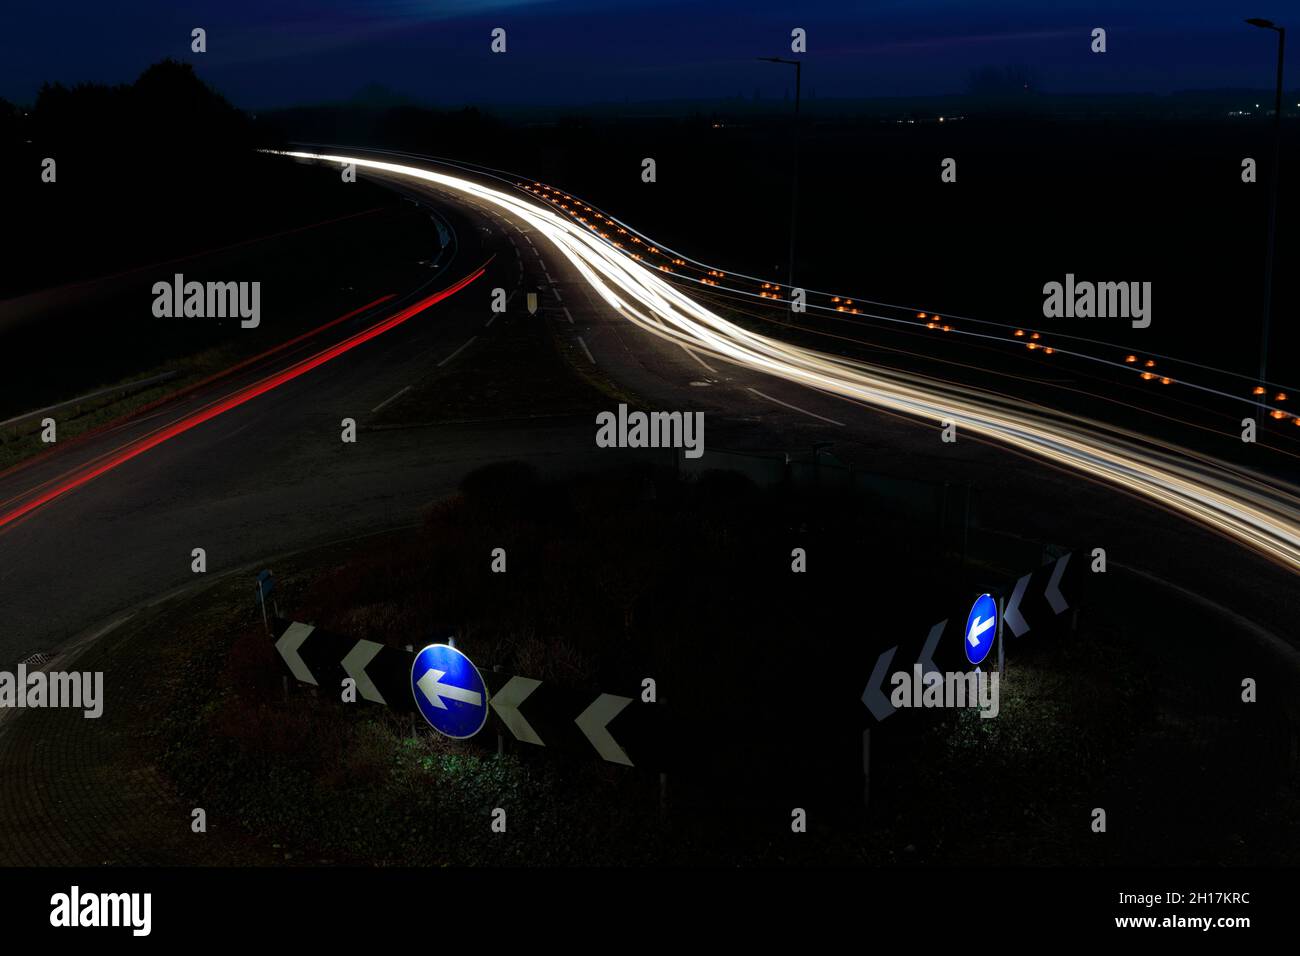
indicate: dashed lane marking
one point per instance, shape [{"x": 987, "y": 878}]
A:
[
  {"x": 795, "y": 408},
  {"x": 391, "y": 398},
  {"x": 458, "y": 351}
]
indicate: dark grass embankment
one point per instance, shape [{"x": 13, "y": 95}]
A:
[{"x": 618, "y": 577}]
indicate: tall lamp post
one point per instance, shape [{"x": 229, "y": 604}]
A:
[
  {"x": 1272, "y": 211},
  {"x": 794, "y": 188}
]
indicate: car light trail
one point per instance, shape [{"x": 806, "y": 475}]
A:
[
  {"x": 87, "y": 473},
  {"x": 707, "y": 275},
  {"x": 1249, "y": 510},
  {"x": 63, "y": 446}
]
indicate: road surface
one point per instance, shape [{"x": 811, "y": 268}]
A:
[{"x": 270, "y": 476}]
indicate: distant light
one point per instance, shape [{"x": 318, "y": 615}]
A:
[
  {"x": 1257, "y": 390},
  {"x": 1280, "y": 397},
  {"x": 1020, "y": 333},
  {"x": 1130, "y": 359}
]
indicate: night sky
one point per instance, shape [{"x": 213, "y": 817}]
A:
[{"x": 264, "y": 54}]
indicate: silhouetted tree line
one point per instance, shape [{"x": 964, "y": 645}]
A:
[
  {"x": 168, "y": 109},
  {"x": 144, "y": 171}
]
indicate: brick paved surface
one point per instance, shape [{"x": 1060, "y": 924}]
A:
[{"x": 77, "y": 791}]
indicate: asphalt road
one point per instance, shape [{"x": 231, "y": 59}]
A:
[
  {"x": 271, "y": 476},
  {"x": 266, "y": 477},
  {"x": 1244, "y": 594}
]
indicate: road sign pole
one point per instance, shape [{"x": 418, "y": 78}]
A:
[
  {"x": 261, "y": 600},
  {"x": 866, "y": 769},
  {"x": 965, "y": 528},
  {"x": 663, "y": 781},
  {"x": 1002, "y": 607},
  {"x": 501, "y": 739}
]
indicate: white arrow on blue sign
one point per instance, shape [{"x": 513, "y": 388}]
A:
[
  {"x": 449, "y": 691},
  {"x": 981, "y": 628}
]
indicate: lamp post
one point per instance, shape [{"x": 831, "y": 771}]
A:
[
  {"x": 794, "y": 187},
  {"x": 1272, "y": 212}
]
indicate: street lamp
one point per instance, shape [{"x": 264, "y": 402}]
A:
[
  {"x": 1272, "y": 207},
  {"x": 794, "y": 187}
]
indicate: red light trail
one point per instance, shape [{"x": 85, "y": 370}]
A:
[{"x": 235, "y": 399}]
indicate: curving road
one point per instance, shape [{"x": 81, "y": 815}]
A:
[
  {"x": 1258, "y": 513},
  {"x": 268, "y": 475}
]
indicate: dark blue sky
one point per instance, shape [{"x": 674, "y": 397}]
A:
[{"x": 280, "y": 52}]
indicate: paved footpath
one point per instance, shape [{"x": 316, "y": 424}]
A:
[{"x": 88, "y": 792}]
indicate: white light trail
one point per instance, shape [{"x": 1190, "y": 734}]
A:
[{"x": 1246, "y": 508}]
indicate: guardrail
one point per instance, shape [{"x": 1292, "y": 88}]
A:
[{"x": 115, "y": 391}]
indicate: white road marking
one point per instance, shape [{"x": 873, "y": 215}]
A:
[
  {"x": 400, "y": 392},
  {"x": 114, "y": 625},
  {"x": 795, "y": 408},
  {"x": 691, "y": 353},
  {"x": 587, "y": 350},
  {"x": 490, "y": 320},
  {"x": 458, "y": 351},
  {"x": 567, "y": 315}
]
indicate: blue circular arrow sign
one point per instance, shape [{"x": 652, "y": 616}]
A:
[
  {"x": 981, "y": 629},
  {"x": 449, "y": 691}
]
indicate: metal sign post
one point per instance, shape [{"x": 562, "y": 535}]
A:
[
  {"x": 1002, "y": 606},
  {"x": 264, "y": 585}
]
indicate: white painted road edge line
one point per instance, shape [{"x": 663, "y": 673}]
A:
[
  {"x": 400, "y": 392},
  {"x": 795, "y": 408},
  {"x": 458, "y": 351},
  {"x": 587, "y": 350}
]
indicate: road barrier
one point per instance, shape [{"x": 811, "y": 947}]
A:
[{"x": 19, "y": 422}]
